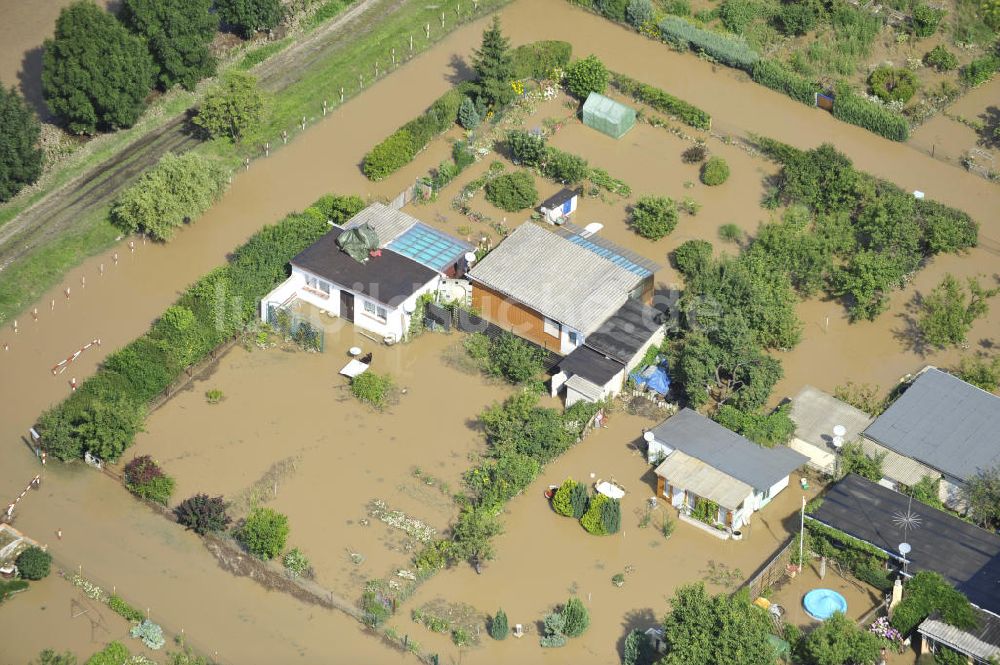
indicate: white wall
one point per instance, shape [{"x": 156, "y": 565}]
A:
[
  {"x": 565, "y": 345},
  {"x": 656, "y": 339},
  {"x": 656, "y": 449}
]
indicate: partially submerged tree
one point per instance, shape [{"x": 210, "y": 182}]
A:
[
  {"x": 980, "y": 370},
  {"x": 839, "y": 640},
  {"x": 948, "y": 313},
  {"x": 233, "y": 109},
  {"x": 494, "y": 67}
]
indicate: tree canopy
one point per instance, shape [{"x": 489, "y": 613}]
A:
[
  {"x": 493, "y": 64},
  {"x": 20, "y": 157},
  {"x": 234, "y": 109},
  {"x": 837, "y": 641},
  {"x": 250, "y": 16},
  {"x": 948, "y": 313},
  {"x": 95, "y": 73},
  {"x": 178, "y": 33},
  {"x": 705, "y": 630}
]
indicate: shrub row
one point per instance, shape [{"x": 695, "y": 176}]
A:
[
  {"x": 727, "y": 49},
  {"x": 850, "y": 107},
  {"x": 660, "y": 100},
  {"x": 981, "y": 70},
  {"x": 538, "y": 59},
  {"x": 776, "y": 76},
  {"x": 177, "y": 190},
  {"x": 107, "y": 411},
  {"x": 401, "y": 146}
]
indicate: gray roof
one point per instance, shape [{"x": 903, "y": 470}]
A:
[
  {"x": 981, "y": 642},
  {"x": 556, "y": 277},
  {"x": 626, "y": 331},
  {"x": 387, "y": 222},
  {"x": 698, "y": 436},
  {"x": 967, "y": 556},
  {"x": 591, "y": 365},
  {"x": 815, "y": 414},
  {"x": 943, "y": 422}
]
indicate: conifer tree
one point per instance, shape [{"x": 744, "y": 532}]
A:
[{"x": 494, "y": 67}]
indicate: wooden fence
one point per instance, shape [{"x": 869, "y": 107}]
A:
[{"x": 771, "y": 572}]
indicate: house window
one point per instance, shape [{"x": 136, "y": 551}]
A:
[
  {"x": 574, "y": 339},
  {"x": 372, "y": 309},
  {"x": 551, "y": 327},
  {"x": 324, "y": 287}
]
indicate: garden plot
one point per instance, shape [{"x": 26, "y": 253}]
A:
[{"x": 362, "y": 489}]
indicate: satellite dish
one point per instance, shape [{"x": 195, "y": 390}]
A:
[
  {"x": 470, "y": 257},
  {"x": 649, "y": 436},
  {"x": 838, "y": 442},
  {"x": 839, "y": 430},
  {"x": 904, "y": 549},
  {"x": 409, "y": 307}
]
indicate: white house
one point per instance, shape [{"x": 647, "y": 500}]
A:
[{"x": 700, "y": 460}]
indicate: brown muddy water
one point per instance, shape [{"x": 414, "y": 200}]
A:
[
  {"x": 153, "y": 563},
  {"x": 23, "y": 28}
]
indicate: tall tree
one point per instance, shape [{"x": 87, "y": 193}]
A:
[
  {"x": 947, "y": 313},
  {"x": 20, "y": 157},
  {"x": 95, "y": 73},
  {"x": 249, "y": 16},
  {"x": 982, "y": 495},
  {"x": 705, "y": 630},
  {"x": 235, "y": 108},
  {"x": 178, "y": 33},
  {"x": 839, "y": 640},
  {"x": 494, "y": 66}
]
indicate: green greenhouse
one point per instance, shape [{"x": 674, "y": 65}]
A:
[{"x": 607, "y": 116}]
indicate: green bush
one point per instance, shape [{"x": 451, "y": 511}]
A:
[
  {"x": 796, "y": 18},
  {"x": 296, "y": 564},
  {"x": 776, "y": 76},
  {"x": 564, "y": 167},
  {"x": 144, "y": 478},
  {"x": 113, "y": 654},
  {"x": 706, "y": 511},
  {"x": 514, "y": 359},
  {"x": 736, "y": 15},
  {"x": 512, "y": 191},
  {"x": 21, "y": 158},
  {"x": 123, "y": 609},
  {"x": 538, "y": 59},
  {"x": 661, "y": 101},
  {"x": 586, "y": 76},
  {"x": 250, "y": 16},
  {"x": 498, "y": 625},
  {"x": 941, "y": 59},
  {"x": 592, "y": 520},
  {"x": 613, "y": 9},
  {"x": 34, "y": 563},
  {"x": 945, "y": 229},
  {"x": 7, "y": 589},
  {"x": 926, "y": 20},
  {"x": 576, "y": 617},
  {"x": 235, "y": 108},
  {"x": 856, "y": 110},
  {"x": 390, "y": 155},
  {"x": 768, "y": 430},
  {"x": 263, "y": 533},
  {"x": 525, "y": 148},
  {"x": 693, "y": 256},
  {"x": 639, "y": 13},
  {"x": 715, "y": 171},
  {"x": 926, "y": 593},
  {"x": 676, "y": 7},
  {"x": 893, "y": 84},
  {"x": 731, "y": 51},
  {"x": 372, "y": 389},
  {"x": 611, "y": 516},
  {"x": 175, "y": 191},
  {"x": 579, "y": 499},
  {"x": 654, "y": 217},
  {"x": 730, "y": 233},
  {"x": 981, "y": 69},
  {"x": 562, "y": 501},
  {"x": 468, "y": 117}
]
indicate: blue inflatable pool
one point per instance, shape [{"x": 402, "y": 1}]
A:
[{"x": 823, "y": 603}]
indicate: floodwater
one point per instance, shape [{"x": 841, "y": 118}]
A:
[
  {"x": 153, "y": 563},
  {"x": 23, "y": 28}
]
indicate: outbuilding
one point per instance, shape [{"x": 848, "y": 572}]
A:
[{"x": 607, "y": 116}]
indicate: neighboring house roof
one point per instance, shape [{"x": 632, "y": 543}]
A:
[
  {"x": 693, "y": 434},
  {"x": 967, "y": 556},
  {"x": 815, "y": 414},
  {"x": 706, "y": 481},
  {"x": 556, "y": 277},
  {"x": 943, "y": 422},
  {"x": 624, "y": 333},
  {"x": 981, "y": 642},
  {"x": 559, "y": 198},
  {"x": 591, "y": 365},
  {"x": 390, "y": 278},
  {"x": 410, "y": 237},
  {"x": 387, "y": 222},
  {"x": 896, "y": 467}
]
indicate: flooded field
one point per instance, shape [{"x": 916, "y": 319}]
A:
[
  {"x": 125, "y": 544},
  {"x": 949, "y": 138}
]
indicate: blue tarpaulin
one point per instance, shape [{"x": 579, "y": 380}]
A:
[{"x": 654, "y": 377}]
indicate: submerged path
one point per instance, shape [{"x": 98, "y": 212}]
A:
[{"x": 121, "y": 542}]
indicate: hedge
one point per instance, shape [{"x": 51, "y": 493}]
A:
[
  {"x": 849, "y": 107},
  {"x": 538, "y": 59},
  {"x": 213, "y": 310},
  {"x": 661, "y": 101},
  {"x": 729, "y": 50},
  {"x": 400, "y": 147},
  {"x": 776, "y": 76}
]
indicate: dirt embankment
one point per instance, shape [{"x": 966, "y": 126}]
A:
[{"x": 58, "y": 212}]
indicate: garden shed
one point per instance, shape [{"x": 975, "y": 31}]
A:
[{"x": 607, "y": 116}]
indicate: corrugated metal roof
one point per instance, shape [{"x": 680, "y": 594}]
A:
[
  {"x": 982, "y": 642},
  {"x": 559, "y": 279},
  {"x": 701, "y": 437},
  {"x": 387, "y": 222},
  {"x": 943, "y": 422},
  {"x": 696, "y": 476},
  {"x": 967, "y": 556}
]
